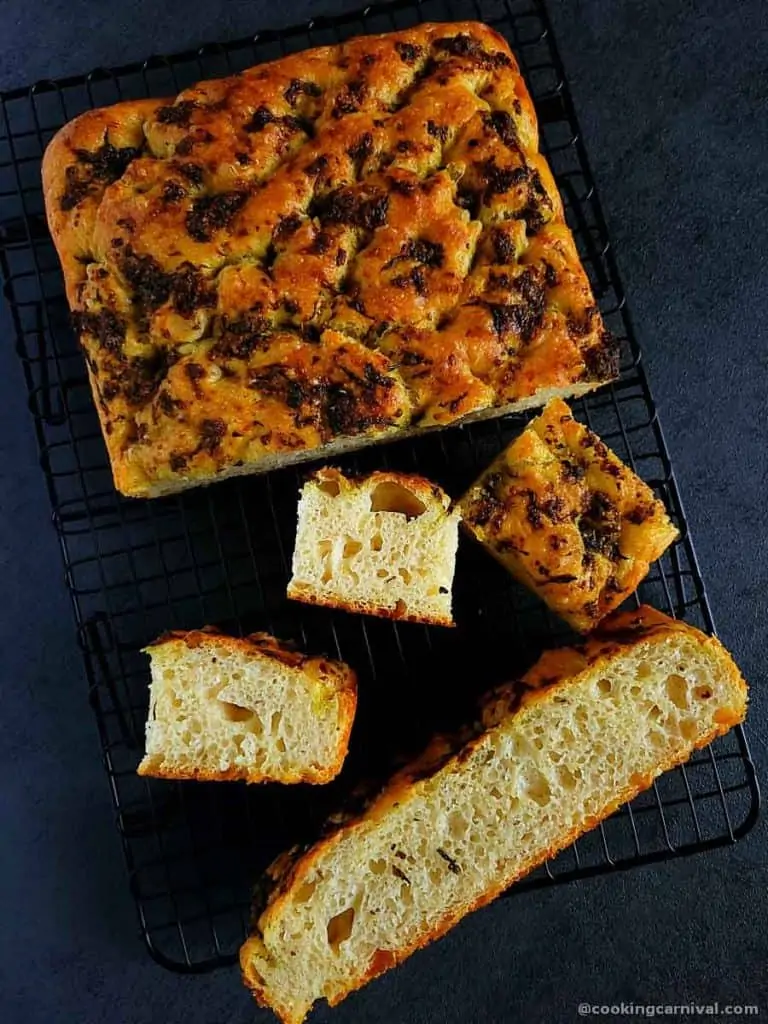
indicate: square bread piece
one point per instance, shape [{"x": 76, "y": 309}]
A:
[
  {"x": 567, "y": 518},
  {"x": 334, "y": 248},
  {"x": 383, "y": 545},
  {"x": 256, "y": 709}
]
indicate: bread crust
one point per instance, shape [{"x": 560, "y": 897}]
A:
[
  {"x": 325, "y": 251},
  {"x": 555, "y": 670},
  {"x": 330, "y": 673}
]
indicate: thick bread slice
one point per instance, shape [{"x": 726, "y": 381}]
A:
[
  {"x": 254, "y": 709},
  {"x": 383, "y": 544},
  {"x": 448, "y": 834}
]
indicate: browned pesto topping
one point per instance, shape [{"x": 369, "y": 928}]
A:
[
  {"x": 362, "y": 149},
  {"x": 328, "y": 405},
  {"x": 151, "y": 285},
  {"x": 600, "y": 527},
  {"x": 300, "y": 88},
  {"x": 172, "y": 192},
  {"x": 212, "y": 433},
  {"x": 210, "y": 214},
  {"x": 191, "y": 291},
  {"x": 524, "y": 317},
  {"x": 504, "y": 125},
  {"x": 176, "y": 113},
  {"x": 503, "y": 247},
  {"x": 103, "y": 165},
  {"x": 421, "y": 250},
  {"x": 239, "y": 338},
  {"x": 408, "y": 53},
  {"x": 350, "y": 98},
  {"x": 192, "y": 172},
  {"x": 362, "y": 209},
  {"x": 601, "y": 361},
  {"x": 464, "y": 45},
  {"x": 105, "y": 325},
  {"x": 263, "y": 116},
  {"x": 437, "y": 131}
]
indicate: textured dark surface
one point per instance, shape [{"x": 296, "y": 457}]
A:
[{"x": 672, "y": 103}]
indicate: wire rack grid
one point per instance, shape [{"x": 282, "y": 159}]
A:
[{"x": 220, "y": 555}]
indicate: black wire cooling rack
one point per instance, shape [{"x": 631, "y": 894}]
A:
[{"x": 220, "y": 555}]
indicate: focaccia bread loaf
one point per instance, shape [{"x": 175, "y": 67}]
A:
[
  {"x": 339, "y": 247},
  {"x": 224, "y": 708},
  {"x": 567, "y": 518},
  {"x": 599, "y": 723},
  {"x": 384, "y": 544}
]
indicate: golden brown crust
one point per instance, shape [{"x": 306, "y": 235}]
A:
[
  {"x": 556, "y": 669},
  {"x": 325, "y": 672},
  {"x": 325, "y": 250},
  {"x": 566, "y": 517}
]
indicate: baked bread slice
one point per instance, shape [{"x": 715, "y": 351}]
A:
[
  {"x": 384, "y": 544},
  {"x": 335, "y": 248},
  {"x": 448, "y": 834},
  {"x": 567, "y": 518},
  {"x": 253, "y": 708}
]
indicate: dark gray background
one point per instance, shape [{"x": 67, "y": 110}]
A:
[{"x": 673, "y": 103}]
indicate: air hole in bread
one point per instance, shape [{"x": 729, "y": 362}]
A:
[
  {"x": 677, "y": 689},
  {"x": 340, "y": 928},
  {"x": 378, "y": 867},
  {"x": 382, "y": 573},
  {"x": 702, "y": 693},
  {"x": 536, "y": 787},
  {"x": 377, "y": 542},
  {"x": 393, "y": 497},
  {"x": 566, "y": 777},
  {"x": 604, "y": 686},
  {"x": 689, "y": 729},
  {"x": 274, "y": 722},
  {"x": 643, "y": 670},
  {"x": 234, "y": 712},
  {"x": 405, "y": 574},
  {"x": 305, "y": 892},
  {"x": 352, "y": 547},
  {"x": 329, "y": 486}
]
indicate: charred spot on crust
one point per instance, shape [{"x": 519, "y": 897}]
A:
[
  {"x": 601, "y": 361},
  {"x": 539, "y": 508},
  {"x": 239, "y": 338},
  {"x": 176, "y": 113},
  {"x": 421, "y": 250},
  {"x": 640, "y": 514},
  {"x": 465, "y": 46},
  {"x": 572, "y": 472},
  {"x": 349, "y": 206},
  {"x": 178, "y": 462},
  {"x": 242, "y": 158},
  {"x": 581, "y": 325},
  {"x": 106, "y": 326},
  {"x": 297, "y": 88},
  {"x": 600, "y": 527},
  {"x": 212, "y": 213},
  {"x": 408, "y": 53}
]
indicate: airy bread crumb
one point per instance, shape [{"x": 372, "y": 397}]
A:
[
  {"x": 598, "y": 723},
  {"x": 254, "y": 709},
  {"x": 384, "y": 545}
]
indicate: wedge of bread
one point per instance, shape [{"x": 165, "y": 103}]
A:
[
  {"x": 596, "y": 724},
  {"x": 254, "y": 709},
  {"x": 384, "y": 544},
  {"x": 567, "y": 518}
]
